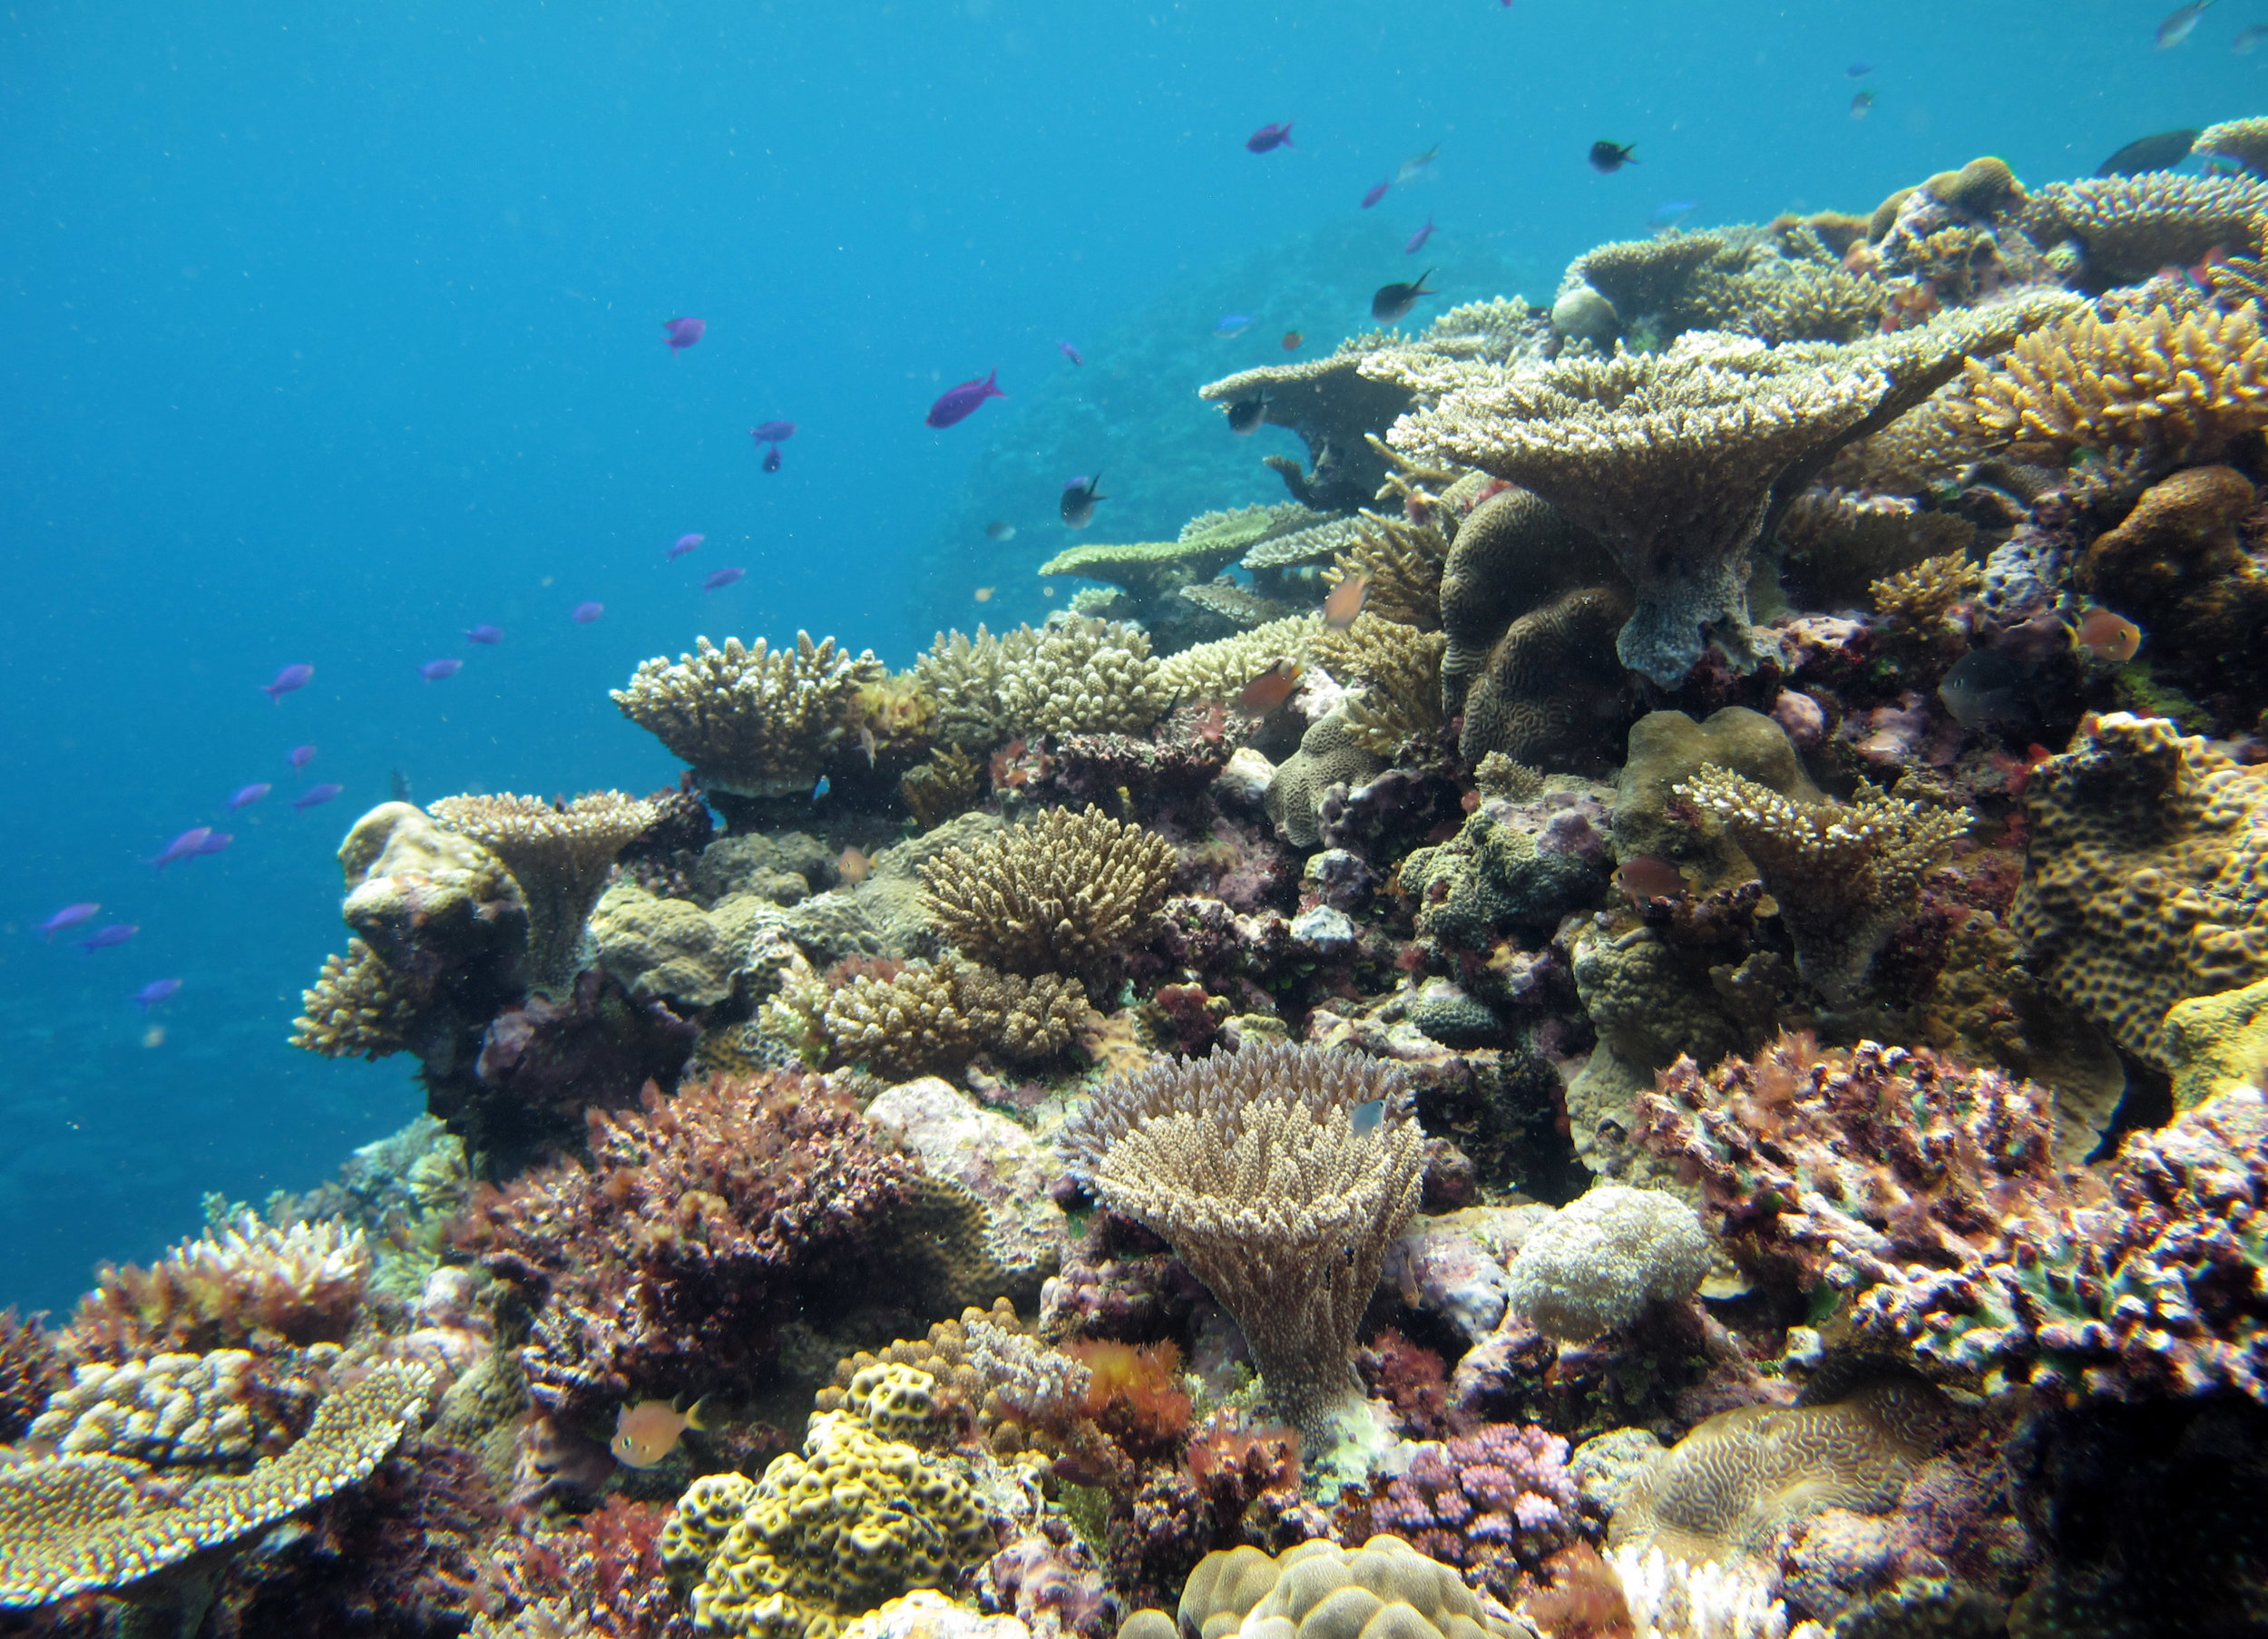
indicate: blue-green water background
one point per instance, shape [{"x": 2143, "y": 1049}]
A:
[{"x": 328, "y": 331}]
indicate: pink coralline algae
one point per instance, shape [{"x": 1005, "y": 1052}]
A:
[{"x": 1496, "y": 1504}]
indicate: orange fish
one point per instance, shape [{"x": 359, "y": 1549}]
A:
[
  {"x": 1291, "y": 340},
  {"x": 2107, "y": 635},
  {"x": 1644, "y": 877},
  {"x": 648, "y": 1431},
  {"x": 1346, "y": 603},
  {"x": 983, "y": 594},
  {"x": 1271, "y": 688},
  {"x": 855, "y": 866}
]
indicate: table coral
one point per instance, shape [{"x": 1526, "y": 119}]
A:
[
  {"x": 1152, "y": 572},
  {"x": 1600, "y": 1260},
  {"x": 1331, "y": 402},
  {"x": 560, "y": 854},
  {"x": 755, "y": 722},
  {"x": 1249, "y": 1162},
  {"x": 1069, "y": 893},
  {"x": 1844, "y": 874},
  {"x": 2141, "y": 876},
  {"x": 2128, "y": 227}
]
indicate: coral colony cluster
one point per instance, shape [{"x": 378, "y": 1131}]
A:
[{"x": 1640, "y": 1012}]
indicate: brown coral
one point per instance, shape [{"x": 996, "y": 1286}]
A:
[
  {"x": 1069, "y": 892},
  {"x": 359, "y": 1008},
  {"x": 560, "y": 854},
  {"x": 1401, "y": 565},
  {"x": 946, "y": 785},
  {"x": 242, "y": 1282},
  {"x": 926, "y": 1018},
  {"x": 1398, "y": 669}
]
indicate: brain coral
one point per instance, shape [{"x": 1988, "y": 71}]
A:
[
  {"x": 1385, "y": 1589},
  {"x": 2143, "y": 876},
  {"x": 1330, "y": 754},
  {"x": 1067, "y": 894},
  {"x": 1598, "y": 1261}
]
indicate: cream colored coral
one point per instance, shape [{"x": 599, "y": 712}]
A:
[
  {"x": 1083, "y": 676},
  {"x": 171, "y": 1409},
  {"x": 1067, "y": 894},
  {"x": 929, "y": 1017},
  {"x": 559, "y": 852},
  {"x": 1399, "y": 668},
  {"x": 1671, "y": 1599},
  {"x": 1279, "y": 1173},
  {"x": 359, "y": 1008},
  {"x": 753, "y": 721},
  {"x": 1598, "y": 1261},
  {"x": 2131, "y": 226},
  {"x": 965, "y": 675},
  {"x": 1221, "y": 670}
]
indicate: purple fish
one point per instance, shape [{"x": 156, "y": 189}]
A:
[
  {"x": 288, "y": 679},
  {"x": 70, "y": 916},
  {"x": 301, "y": 755},
  {"x": 685, "y": 543},
  {"x": 1417, "y": 240},
  {"x": 1375, "y": 194},
  {"x": 216, "y": 842},
  {"x": 958, "y": 403},
  {"x": 483, "y": 634},
  {"x": 1269, "y": 137},
  {"x": 1070, "y": 352},
  {"x": 185, "y": 846},
  {"x": 683, "y": 333},
  {"x": 155, "y": 992},
  {"x": 584, "y": 613},
  {"x": 315, "y": 796},
  {"x": 433, "y": 671},
  {"x": 722, "y": 577},
  {"x": 117, "y": 934},
  {"x": 247, "y": 795},
  {"x": 771, "y": 459},
  {"x": 773, "y": 432}
]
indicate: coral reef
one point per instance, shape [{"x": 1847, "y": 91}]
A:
[
  {"x": 2128, "y": 227},
  {"x": 1597, "y": 1262},
  {"x": 1335, "y": 404},
  {"x": 359, "y": 1008},
  {"x": 559, "y": 854},
  {"x": 1331, "y": 754},
  {"x": 1067, "y": 894},
  {"x": 1495, "y": 1503},
  {"x": 246, "y": 1283},
  {"x": 1083, "y": 676},
  {"x": 754, "y": 722},
  {"x": 928, "y": 1016}
]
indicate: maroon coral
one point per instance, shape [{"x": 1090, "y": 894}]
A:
[
  {"x": 701, "y": 1223},
  {"x": 30, "y": 1371},
  {"x": 1495, "y": 1503}
]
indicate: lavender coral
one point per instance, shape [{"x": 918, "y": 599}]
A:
[{"x": 1495, "y": 1503}]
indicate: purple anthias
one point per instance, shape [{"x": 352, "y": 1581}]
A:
[
  {"x": 772, "y": 432},
  {"x": 70, "y": 916},
  {"x": 958, "y": 403},
  {"x": 185, "y": 846},
  {"x": 216, "y": 842},
  {"x": 315, "y": 795},
  {"x": 771, "y": 459},
  {"x": 483, "y": 634},
  {"x": 684, "y": 544},
  {"x": 1071, "y": 352},
  {"x": 587, "y": 613},
  {"x": 1375, "y": 194},
  {"x": 247, "y": 795},
  {"x": 117, "y": 934},
  {"x": 301, "y": 755},
  {"x": 722, "y": 577},
  {"x": 1417, "y": 240},
  {"x": 683, "y": 333},
  {"x": 297, "y": 675},
  {"x": 433, "y": 671},
  {"x": 155, "y": 992},
  {"x": 1270, "y": 136}
]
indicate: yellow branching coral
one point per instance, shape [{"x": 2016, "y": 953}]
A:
[
  {"x": 1220, "y": 671},
  {"x": 559, "y": 852},
  {"x": 1844, "y": 874},
  {"x": 1834, "y": 544},
  {"x": 751, "y": 721},
  {"x": 1671, "y": 459},
  {"x": 2176, "y": 388},
  {"x": 926, "y": 1017},
  {"x": 80, "y": 1524},
  {"x": 1402, "y": 564},
  {"x": 1399, "y": 668},
  {"x": 359, "y": 1008},
  {"x": 964, "y": 675},
  {"x": 1279, "y": 1173},
  {"x": 1066, "y": 894},
  {"x": 1914, "y": 602},
  {"x": 2131, "y": 226}
]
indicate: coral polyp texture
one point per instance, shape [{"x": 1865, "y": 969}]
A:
[
  {"x": 1385, "y": 1589},
  {"x": 558, "y": 852},
  {"x": 755, "y": 722},
  {"x": 2126, "y": 228},
  {"x": 2141, "y": 881},
  {"x": 1278, "y": 1173},
  {"x": 927, "y": 1016},
  {"x": 359, "y": 1008},
  {"x": 1067, "y": 894},
  {"x": 243, "y": 1281}
]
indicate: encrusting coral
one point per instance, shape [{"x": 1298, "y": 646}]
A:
[
  {"x": 1069, "y": 892},
  {"x": 1278, "y": 1173},
  {"x": 755, "y": 722},
  {"x": 560, "y": 854},
  {"x": 1844, "y": 874}
]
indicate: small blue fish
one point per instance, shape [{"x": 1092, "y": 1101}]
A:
[
  {"x": 104, "y": 939},
  {"x": 1417, "y": 240},
  {"x": 1415, "y": 165},
  {"x": 1232, "y": 324},
  {"x": 1366, "y": 1119},
  {"x": 155, "y": 992},
  {"x": 2248, "y": 38},
  {"x": 821, "y": 789},
  {"x": 70, "y": 916},
  {"x": 2179, "y": 25},
  {"x": 1858, "y": 71},
  {"x": 433, "y": 671},
  {"x": 483, "y": 634},
  {"x": 1671, "y": 212},
  {"x": 1071, "y": 352}
]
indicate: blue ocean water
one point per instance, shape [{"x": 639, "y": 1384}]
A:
[{"x": 327, "y": 333}]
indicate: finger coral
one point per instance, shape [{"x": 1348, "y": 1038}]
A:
[
  {"x": 755, "y": 722},
  {"x": 702, "y": 1220},
  {"x": 928, "y": 1016},
  {"x": 965, "y": 674},
  {"x": 76, "y": 1525},
  {"x": 1083, "y": 676},
  {"x": 560, "y": 854},
  {"x": 2173, "y": 387},
  {"x": 1844, "y": 874},
  {"x": 1251, "y": 1164},
  {"x": 244, "y": 1281},
  {"x": 2141, "y": 876},
  {"x": 359, "y": 1008},
  {"x": 172, "y": 1410},
  {"x": 1067, "y": 894}
]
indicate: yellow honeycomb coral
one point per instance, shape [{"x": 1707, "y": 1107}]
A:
[{"x": 855, "y": 1520}]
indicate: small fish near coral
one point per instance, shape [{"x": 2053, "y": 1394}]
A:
[
  {"x": 70, "y": 916},
  {"x": 646, "y": 1434},
  {"x": 1862, "y": 103},
  {"x": 2106, "y": 635},
  {"x": 1245, "y": 415},
  {"x": 683, "y": 333},
  {"x": 584, "y": 613},
  {"x": 300, "y": 757},
  {"x": 1270, "y": 138},
  {"x": 485, "y": 635},
  {"x": 1078, "y": 504},
  {"x": 770, "y": 435},
  {"x": 999, "y": 529},
  {"x": 1229, "y": 325},
  {"x": 2180, "y": 24},
  {"x": 1346, "y": 603},
  {"x": 2249, "y": 38},
  {"x": 245, "y": 795},
  {"x": 187, "y": 845},
  {"x": 1294, "y": 341},
  {"x": 956, "y": 405},
  {"x": 1392, "y": 302},
  {"x": 1070, "y": 352},
  {"x": 110, "y": 937},
  {"x": 2161, "y": 152},
  {"x": 1417, "y": 240},
  {"x": 1376, "y": 193},
  {"x": 1417, "y": 165},
  {"x": 1606, "y": 157},
  {"x": 1271, "y": 688},
  {"x": 315, "y": 796}
]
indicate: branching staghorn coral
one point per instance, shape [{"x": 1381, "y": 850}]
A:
[
  {"x": 1066, "y": 894},
  {"x": 1267, "y": 1172},
  {"x": 1082, "y": 676},
  {"x": 2175, "y": 388},
  {"x": 1401, "y": 565},
  {"x": 245, "y": 1282},
  {"x": 79, "y": 1525},
  {"x": 1844, "y": 874},
  {"x": 1914, "y": 605},
  {"x": 751, "y": 721},
  {"x": 359, "y": 1008},
  {"x": 1671, "y": 459},
  {"x": 927, "y": 1017},
  {"x": 1399, "y": 667},
  {"x": 2129, "y": 227},
  {"x": 1221, "y": 670},
  {"x": 559, "y": 852}
]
